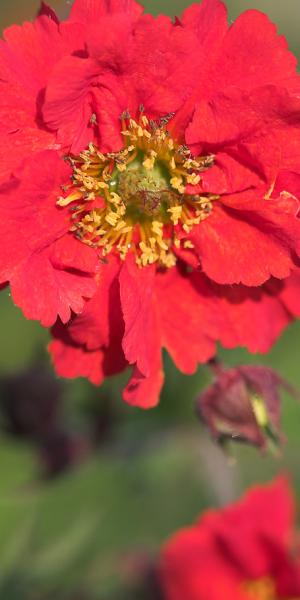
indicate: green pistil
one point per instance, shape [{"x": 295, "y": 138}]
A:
[{"x": 145, "y": 192}]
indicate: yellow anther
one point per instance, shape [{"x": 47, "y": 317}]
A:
[
  {"x": 147, "y": 256},
  {"x": 102, "y": 185},
  {"x": 96, "y": 218},
  {"x": 152, "y": 241},
  {"x": 115, "y": 198},
  {"x": 120, "y": 225},
  {"x": 162, "y": 244},
  {"x": 191, "y": 164},
  {"x": 112, "y": 218},
  {"x": 121, "y": 167},
  {"x": 177, "y": 184},
  {"x": 145, "y": 248},
  {"x": 188, "y": 244},
  {"x": 170, "y": 260},
  {"x": 176, "y": 212},
  {"x": 157, "y": 228},
  {"x": 149, "y": 162},
  {"x": 193, "y": 179},
  {"x": 121, "y": 210}
]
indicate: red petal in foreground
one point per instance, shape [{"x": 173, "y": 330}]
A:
[{"x": 50, "y": 272}]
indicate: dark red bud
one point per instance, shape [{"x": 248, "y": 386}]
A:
[{"x": 244, "y": 404}]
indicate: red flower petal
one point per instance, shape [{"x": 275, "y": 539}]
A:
[
  {"x": 287, "y": 182},
  {"x": 290, "y": 294},
  {"x": 263, "y": 517},
  {"x": 71, "y": 254},
  {"x": 31, "y": 203},
  {"x": 144, "y": 391},
  {"x": 209, "y": 22},
  {"x": 47, "y": 11},
  {"x": 30, "y": 52},
  {"x": 25, "y": 60},
  {"x": 141, "y": 342},
  {"x": 238, "y": 306},
  {"x": 44, "y": 292},
  {"x": 27, "y": 57},
  {"x": 129, "y": 64},
  {"x": 253, "y": 54},
  {"x": 250, "y": 54},
  {"x": 187, "y": 316},
  {"x": 101, "y": 323},
  {"x": 74, "y": 361},
  {"x": 247, "y": 133},
  {"x": 226, "y": 241},
  {"x": 91, "y": 11},
  {"x": 228, "y": 547},
  {"x": 236, "y": 171},
  {"x": 19, "y": 141},
  {"x": 50, "y": 272},
  {"x": 68, "y": 105}
]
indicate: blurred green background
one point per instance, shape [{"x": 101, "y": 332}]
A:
[{"x": 86, "y": 502}]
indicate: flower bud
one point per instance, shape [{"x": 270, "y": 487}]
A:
[{"x": 244, "y": 404}]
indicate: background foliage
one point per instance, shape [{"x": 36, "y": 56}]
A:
[{"x": 83, "y": 511}]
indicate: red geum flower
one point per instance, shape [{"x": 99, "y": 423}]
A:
[
  {"x": 183, "y": 143},
  {"x": 246, "y": 551}
]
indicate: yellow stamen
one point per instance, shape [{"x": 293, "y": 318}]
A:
[
  {"x": 193, "y": 179},
  {"x": 65, "y": 201},
  {"x": 188, "y": 244},
  {"x": 142, "y": 191}
]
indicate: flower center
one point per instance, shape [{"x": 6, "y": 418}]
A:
[
  {"x": 141, "y": 198},
  {"x": 263, "y": 589},
  {"x": 144, "y": 192}
]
